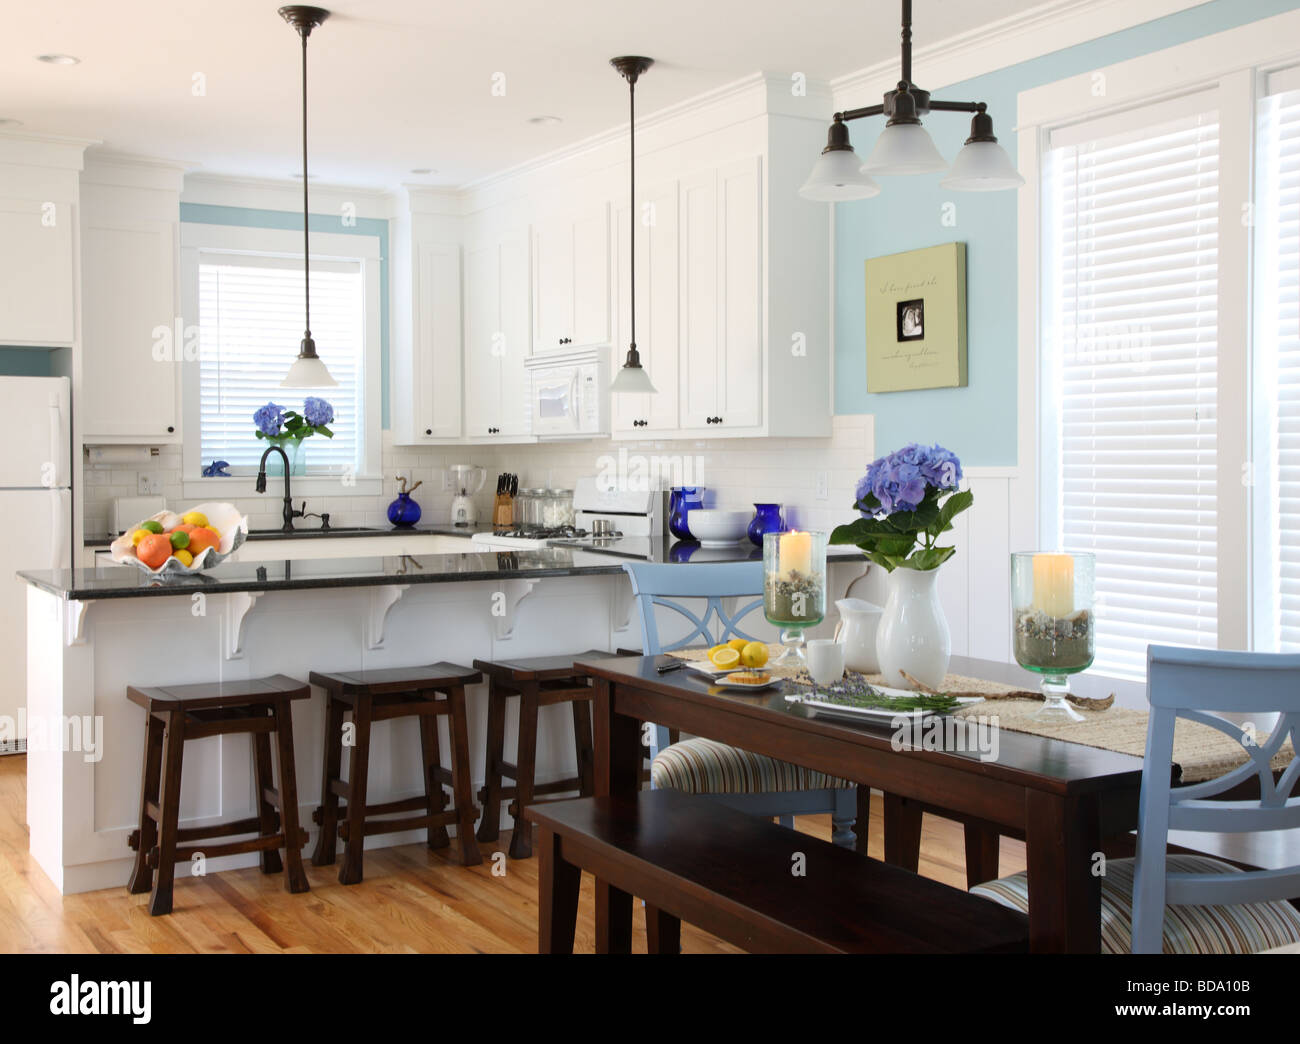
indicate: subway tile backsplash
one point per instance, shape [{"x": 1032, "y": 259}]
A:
[{"x": 736, "y": 473}]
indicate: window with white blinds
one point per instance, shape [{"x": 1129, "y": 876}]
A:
[
  {"x": 1277, "y": 350},
  {"x": 1130, "y": 358},
  {"x": 250, "y": 321}
]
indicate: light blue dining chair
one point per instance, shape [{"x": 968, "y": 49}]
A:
[
  {"x": 749, "y": 782},
  {"x": 1182, "y": 903}
]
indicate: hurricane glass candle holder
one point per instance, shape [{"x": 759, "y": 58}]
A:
[
  {"x": 794, "y": 587},
  {"x": 1053, "y": 624}
]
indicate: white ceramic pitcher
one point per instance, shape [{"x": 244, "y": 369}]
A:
[{"x": 856, "y": 631}]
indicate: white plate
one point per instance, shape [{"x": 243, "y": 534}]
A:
[
  {"x": 725, "y": 682},
  {"x": 706, "y": 668},
  {"x": 870, "y": 714}
]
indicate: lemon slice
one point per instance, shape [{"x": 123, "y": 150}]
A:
[{"x": 724, "y": 657}]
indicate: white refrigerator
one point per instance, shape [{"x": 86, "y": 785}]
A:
[{"x": 35, "y": 518}]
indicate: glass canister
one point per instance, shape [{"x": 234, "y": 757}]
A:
[
  {"x": 528, "y": 503},
  {"x": 1053, "y": 623},
  {"x": 556, "y": 508}
]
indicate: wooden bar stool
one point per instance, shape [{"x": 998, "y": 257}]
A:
[
  {"x": 538, "y": 681},
  {"x": 260, "y": 707},
  {"x": 378, "y": 695}
]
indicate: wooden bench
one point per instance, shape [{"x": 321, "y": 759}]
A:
[{"x": 734, "y": 875}]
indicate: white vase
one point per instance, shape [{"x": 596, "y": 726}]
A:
[{"x": 913, "y": 634}]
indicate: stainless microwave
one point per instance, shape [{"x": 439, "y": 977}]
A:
[{"x": 570, "y": 395}]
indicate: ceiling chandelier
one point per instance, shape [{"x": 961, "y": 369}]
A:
[
  {"x": 905, "y": 147},
  {"x": 307, "y": 371}
]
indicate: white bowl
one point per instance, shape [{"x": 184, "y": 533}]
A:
[
  {"x": 718, "y": 527},
  {"x": 226, "y": 519}
]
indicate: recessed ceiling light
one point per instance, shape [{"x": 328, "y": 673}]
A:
[
  {"x": 58, "y": 59},
  {"x": 7, "y": 121},
  {"x": 544, "y": 120},
  {"x": 423, "y": 170}
]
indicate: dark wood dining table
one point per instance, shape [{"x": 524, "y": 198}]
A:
[{"x": 1062, "y": 798}]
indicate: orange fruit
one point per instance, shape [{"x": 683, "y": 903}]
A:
[
  {"x": 201, "y": 538},
  {"x": 154, "y": 550}
]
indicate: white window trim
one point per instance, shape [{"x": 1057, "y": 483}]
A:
[
  {"x": 325, "y": 246},
  {"x": 1233, "y": 64}
]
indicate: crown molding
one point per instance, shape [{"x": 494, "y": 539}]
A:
[{"x": 1051, "y": 26}]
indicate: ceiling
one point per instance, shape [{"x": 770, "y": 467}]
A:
[{"x": 398, "y": 85}]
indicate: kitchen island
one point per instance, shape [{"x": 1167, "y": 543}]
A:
[{"x": 93, "y": 632}]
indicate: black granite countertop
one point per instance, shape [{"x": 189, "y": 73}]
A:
[
  {"x": 126, "y": 581},
  {"x": 337, "y": 532},
  {"x": 670, "y": 549}
]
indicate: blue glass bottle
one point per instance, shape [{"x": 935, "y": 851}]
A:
[
  {"x": 767, "y": 519},
  {"x": 680, "y": 501},
  {"x": 404, "y": 512}
]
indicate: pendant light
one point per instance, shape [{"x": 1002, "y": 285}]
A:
[
  {"x": 905, "y": 146},
  {"x": 307, "y": 371},
  {"x": 632, "y": 377}
]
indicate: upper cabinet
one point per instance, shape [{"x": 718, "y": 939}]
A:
[
  {"x": 133, "y": 342},
  {"x": 39, "y": 199},
  {"x": 425, "y": 347},
  {"x": 571, "y": 272},
  {"x": 497, "y": 402}
]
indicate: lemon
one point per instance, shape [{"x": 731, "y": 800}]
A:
[
  {"x": 724, "y": 656},
  {"x": 151, "y": 526},
  {"x": 754, "y": 654},
  {"x": 179, "y": 538},
  {"x": 138, "y": 535},
  {"x": 184, "y": 558},
  {"x": 738, "y": 644},
  {"x": 194, "y": 518}
]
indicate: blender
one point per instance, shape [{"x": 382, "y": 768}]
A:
[{"x": 467, "y": 479}]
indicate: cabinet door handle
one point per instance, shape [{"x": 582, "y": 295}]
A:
[
  {"x": 428, "y": 431},
  {"x": 170, "y": 429}
]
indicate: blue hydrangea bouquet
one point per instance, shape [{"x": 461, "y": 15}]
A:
[
  {"x": 276, "y": 424},
  {"x": 907, "y": 500}
]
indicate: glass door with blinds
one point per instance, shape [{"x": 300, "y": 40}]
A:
[
  {"x": 250, "y": 311},
  {"x": 1275, "y": 471},
  {"x": 1129, "y": 361}
]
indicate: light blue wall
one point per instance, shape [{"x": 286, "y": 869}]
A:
[
  {"x": 244, "y": 217},
  {"x": 977, "y": 422},
  {"x": 25, "y": 362}
]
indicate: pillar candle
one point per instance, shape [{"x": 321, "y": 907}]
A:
[
  {"x": 795, "y": 554},
  {"x": 1054, "y": 584}
]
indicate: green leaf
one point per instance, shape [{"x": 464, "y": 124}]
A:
[
  {"x": 952, "y": 507},
  {"x": 929, "y": 558}
]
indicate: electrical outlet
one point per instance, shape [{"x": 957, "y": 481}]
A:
[
  {"x": 823, "y": 485},
  {"x": 147, "y": 485}
]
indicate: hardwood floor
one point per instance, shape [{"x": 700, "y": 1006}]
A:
[{"x": 412, "y": 901}]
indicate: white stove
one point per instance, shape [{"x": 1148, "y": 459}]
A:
[{"x": 600, "y": 517}]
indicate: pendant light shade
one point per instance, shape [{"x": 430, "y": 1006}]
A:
[
  {"x": 837, "y": 175},
  {"x": 982, "y": 165},
  {"x": 632, "y": 377},
  {"x": 904, "y": 148},
  {"x": 308, "y": 371}
]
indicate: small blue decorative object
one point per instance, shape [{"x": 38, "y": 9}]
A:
[
  {"x": 767, "y": 519},
  {"x": 680, "y": 501},
  {"x": 217, "y": 469},
  {"x": 404, "y": 512}
]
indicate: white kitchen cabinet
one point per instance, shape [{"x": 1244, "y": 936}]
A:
[
  {"x": 133, "y": 346},
  {"x": 721, "y": 346},
  {"x": 38, "y": 272},
  {"x": 497, "y": 401},
  {"x": 571, "y": 274},
  {"x": 657, "y": 295},
  {"x": 425, "y": 347}
]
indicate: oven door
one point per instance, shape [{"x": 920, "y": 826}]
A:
[{"x": 557, "y": 406}]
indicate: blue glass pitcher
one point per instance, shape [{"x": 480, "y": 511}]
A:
[
  {"x": 680, "y": 501},
  {"x": 767, "y": 519}
]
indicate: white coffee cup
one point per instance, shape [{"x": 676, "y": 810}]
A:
[{"x": 825, "y": 660}]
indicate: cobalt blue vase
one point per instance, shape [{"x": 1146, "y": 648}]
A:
[
  {"x": 767, "y": 519},
  {"x": 680, "y": 501},
  {"x": 403, "y": 512}
]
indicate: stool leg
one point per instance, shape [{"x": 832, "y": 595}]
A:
[
  {"x": 150, "y": 781},
  {"x": 327, "y": 839},
  {"x": 521, "y": 838},
  {"x": 663, "y": 931},
  {"x": 435, "y": 796},
  {"x": 583, "y": 747},
  {"x": 489, "y": 827},
  {"x": 358, "y": 770},
  {"x": 268, "y": 818},
  {"x": 160, "y": 902},
  {"x": 295, "y": 876},
  {"x": 462, "y": 788}
]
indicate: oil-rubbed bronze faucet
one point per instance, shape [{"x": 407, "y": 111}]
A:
[{"x": 289, "y": 513}]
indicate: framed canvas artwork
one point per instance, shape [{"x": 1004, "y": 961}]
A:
[{"x": 916, "y": 319}]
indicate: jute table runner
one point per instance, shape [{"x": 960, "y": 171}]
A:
[{"x": 1202, "y": 752}]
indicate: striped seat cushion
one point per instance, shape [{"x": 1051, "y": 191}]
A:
[
  {"x": 701, "y": 766},
  {"x": 1244, "y": 928}
]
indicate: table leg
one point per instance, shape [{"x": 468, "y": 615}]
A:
[
  {"x": 617, "y": 740},
  {"x": 558, "y": 883},
  {"x": 983, "y": 845},
  {"x": 902, "y": 832},
  {"x": 1062, "y": 840}
]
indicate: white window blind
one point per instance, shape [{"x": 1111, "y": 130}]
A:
[
  {"x": 1277, "y": 343},
  {"x": 251, "y": 323},
  {"x": 1130, "y": 359}
]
